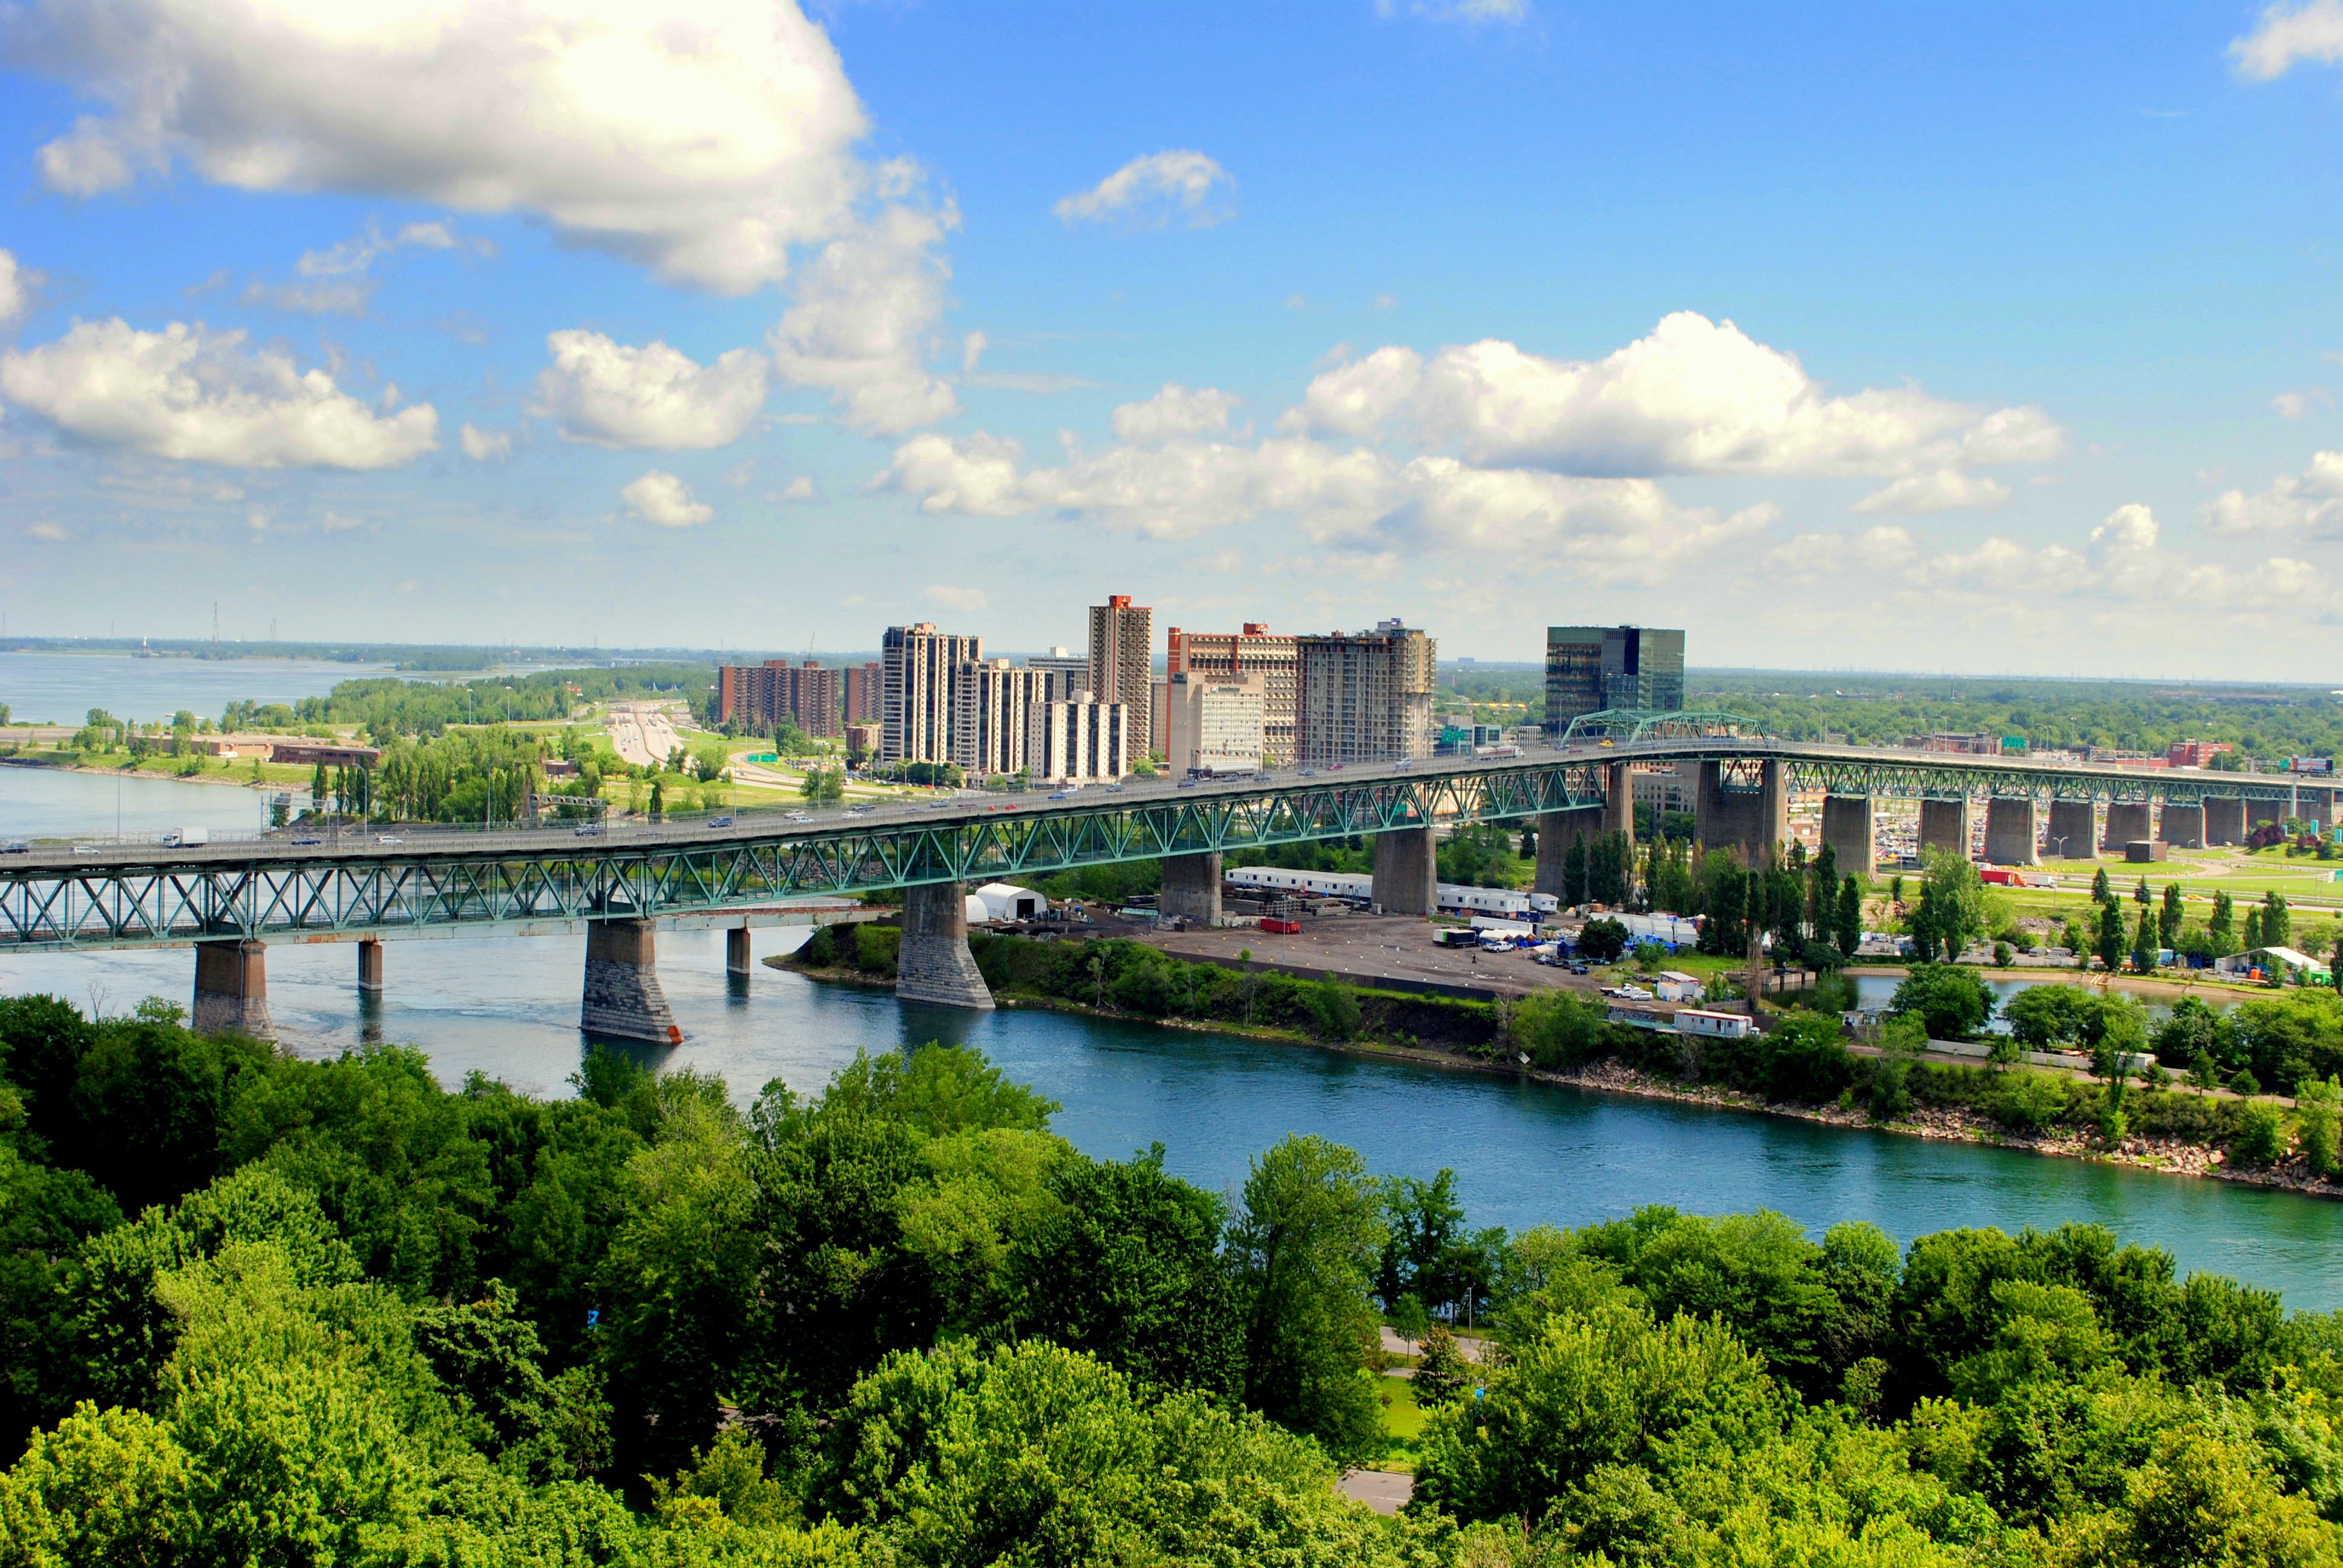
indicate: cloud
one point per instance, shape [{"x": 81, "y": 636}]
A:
[
  {"x": 700, "y": 138},
  {"x": 50, "y": 531},
  {"x": 487, "y": 445},
  {"x": 967, "y": 600},
  {"x": 660, "y": 498},
  {"x": 2295, "y": 405},
  {"x": 186, "y": 392},
  {"x": 335, "y": 280},
  {"x": 863, "y": 309},
  {"x": 2310, "y": 501},
  {"x": 333, "y": 522},
  {"x": 1174, "y": 411},
  {"x": 1945, "y": 490},
  {"x": 1470, "y": 11},
  {"x": 1359, "y": 500},
  {"x": 654, "y": 398},
  {"x": 2312, "y": 31},
  {"x": 16, "y": 286},
  {"x": 797, "y": 489},
  {"x": 1156, "y": 191},
  {"x": 1696, "y": 397}
]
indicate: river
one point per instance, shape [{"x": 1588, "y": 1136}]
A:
[
  {"x": 43, "y": 688},
  {"x": 1525, "y": 1153}
]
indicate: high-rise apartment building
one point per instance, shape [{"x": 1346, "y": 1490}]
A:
[
  {"x": 1123, "y": 660},
  {"x": 1077, "y": 741},
  {"x": 865, "y": 693},
  {"x": 1214, "y": 722},
  {"x": 1068, "y": 672},
  {"x": 763, "y": 696},
  {"x": 918, "y": 702},
  {"x": 1365, "y": 697},
  {"x": 1590, "y": 668},
  {"x": 990, "y": 725},
  {"x": 1253, "y": 652}
]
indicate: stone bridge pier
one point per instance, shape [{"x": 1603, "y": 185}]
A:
[
  {"x": 2128, "y": 820},
  {"x": 935, "y": 965},
  {"x": 2073, "y": 833},
  {"x": 1944, "y": 825},
  {"x": 623, "y": 997},
  {"x": 2009, "y": 831},
  {"x": 1749, "y": 821},
  {"x": 232, "y": 989},
  {"x": 1556, "y": 831},
  {"x": 1618, "y": 800},
  {"x": 2225, "y": 821},
  {"x": 370, "y": 965},
  {"x": 1192, "y": 887},
  {"x": 1851, "y": 829},
  {"x": 2184, "y": 825},
  {"x": 1407, "y": 871}
]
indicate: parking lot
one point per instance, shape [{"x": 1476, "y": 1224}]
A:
[{"x": 1376, "y": 947}]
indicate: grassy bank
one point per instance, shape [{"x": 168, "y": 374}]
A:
[{"x": 1799, "y": 1066}]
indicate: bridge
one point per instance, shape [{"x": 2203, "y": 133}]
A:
[{"x": 621, "y": 883}]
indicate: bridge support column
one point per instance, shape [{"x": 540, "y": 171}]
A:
[
  {"x": 736, "y": 957},
  {"x": 2317, "y": 806},
  {"x": 2127, "y": 821},
  {"x": 1555, "y": 832},
  {"x": 2184, "y": 825},
  {"x": 2074, "y": 830},
  {"x": 1192, "y": 887},
  {"x": 622, "y": 989},
  {"x": 2225, "y": 821},
  {"x": 1944, "y": 825},
  {"x": 1749, "y": 821},
  {"x": 935, "y": 965},
  {"x": 2009, "y": 831},
  {"x": 232, "y": 989},
  {"x": 1407, "y": 871},
  {"x": 1618, "y": 801},
  {"x": 1851, "y": 829},
  {"x": 370, "y": 964}
]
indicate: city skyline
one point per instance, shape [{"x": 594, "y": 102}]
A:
[{"x": 1503, "y": 330}]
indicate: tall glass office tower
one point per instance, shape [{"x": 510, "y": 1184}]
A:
[{"x": 1589, "y": 669}]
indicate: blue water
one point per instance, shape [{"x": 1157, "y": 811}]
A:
[{"x": 61, "y": 687}]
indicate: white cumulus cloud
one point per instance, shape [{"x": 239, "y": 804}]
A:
[
  {"x": 660, "y": 498},
  {"x": 2295, "y": 405},
  {"x": 1457, "y": 10},
  {"x": 2312, "y": 31},
  {"x": 487, "y": 445},
  {"x": 610, "y": 394},
  {"x": 1942, "y": 490},
  {"x": 865, "y": 307},
  {"x": 191, "y": 393},
  {"x": 1174, "y": 411},
  {"x": 1155, "y": 191},
  {"x": 16, "y": 284},
  {"x": 701, "y": 138},
  {"x": 2310, "y": 501},
  {"x": 1696, "y": 397}
]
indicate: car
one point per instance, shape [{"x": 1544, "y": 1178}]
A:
[
  {"x": 1310, "y": 773},
  {"x": 1114, "y": 789},
  {"x": 16, "y": 847},
  {"x": 800, "y": 817},
  {"x": 307, "y": 839},
  {"x": 1334, "y": 768},
  {"x": 585, "y": 831},
  {"x": 1404, "y": 762},
  {"x": 1187, "y": 783},
  {"x": 719, "y": 821},
  {"x": 860, "y": 810},
  {"x": 1061, "y": 795},
  {"x": 386, "y": 838}
]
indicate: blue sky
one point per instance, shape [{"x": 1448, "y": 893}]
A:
[{"x": 1944, "y": 337}]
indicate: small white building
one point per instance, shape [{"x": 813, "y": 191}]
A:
[
  {"x": 1004, "y": 901},
  {"x": 1674, "y": 985},
  {"x": 1716, "y": 1025}
]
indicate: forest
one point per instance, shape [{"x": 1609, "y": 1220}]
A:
[{"x": 259, "y": 1308}]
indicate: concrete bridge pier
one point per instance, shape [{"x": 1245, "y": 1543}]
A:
[
  {"x": 370, "y": 965},
  {"x": 2316, "y": 805},
  {"x": 2009, "y": 831},
  {"x": 2184, "y": 825},
  {"x": 232, "y": 989},
  {"x": 2225, "y": 821},
  {"x": 1749, "y": 821},
  {"x": 2074, "y": 830},
  {"x": 1944, "y": 825},
  {"x": 737, "y": 958},
  {"x": 1555, "y": 832},
  {"x": 623, "y": 997},
  {"x": 1192, "y": 887},
  {"x": 935, "y": 965},
  {"x": 2127, "y": 821},
  {"x": 1618, "y": 801},
  {"x": 1851, "y": 829},
  {"x": 1407, "y": 871}
]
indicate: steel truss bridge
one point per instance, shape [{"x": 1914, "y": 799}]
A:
[{"x": 62, "y": 899}]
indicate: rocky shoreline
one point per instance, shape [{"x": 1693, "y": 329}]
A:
[{"x": 2167, "y": 1156}]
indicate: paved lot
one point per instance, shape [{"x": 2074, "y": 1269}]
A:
[
  {"x": 1390, "y": 947},
  {"x": 1384, "y": 1491}
]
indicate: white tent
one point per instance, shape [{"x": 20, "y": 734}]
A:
[{"x": 1003, "y": 901}]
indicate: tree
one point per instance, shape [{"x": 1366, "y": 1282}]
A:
[
  {"x": 1574, "y": 871},
  {"x": 1424, "y": 1228},
  {"x": 2100, "y": 892},
  {"x": 822, "y": 786},
  {"x": 1951, "y": 1001},
  {"x": 1304, "y": 1250},
  {"x": 1848, "y": 925},
  {"x": 2143, "y": 942},
  {"x": 1442, "y": 1374},
  {"x": 1952, "y": 904},
  {"x": 2111, "y": 935},
  {"x": 2318, "y": 1106},
  {"x": 2167, "y": 930},
  {"x": 2219, "y": 927},
  {"x": 2277, "y": 921},
  {"x": 1602, "y": 941},
  {"x": 2140, "y": 895}
]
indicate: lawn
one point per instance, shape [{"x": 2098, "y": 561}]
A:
[{"x": 1403, "y": 1420}]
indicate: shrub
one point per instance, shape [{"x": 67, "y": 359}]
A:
[
  {"x": 878, "y": 949},
  {"x": 2261, "y": 1134},
  {"x": 2028, "y": 1101}
]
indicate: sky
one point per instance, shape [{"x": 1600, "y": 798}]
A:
[{"x": 1978, "y": 337}]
